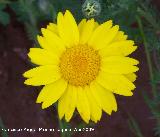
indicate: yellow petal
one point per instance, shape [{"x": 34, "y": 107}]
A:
[
  {"x": 81, "y": 26},
  {"x": 72, "y": 104},
  {"x": 42, "y": 57},
  {"x": 131, "y": 76},
  {"x": 83, "y": 104},
  {"x": 42, "y": 42},
  {"x": 116, "y": 83},
  {"x": 53, "y": 27},
  {"x": 96, "y": 111},
  {"x": 121, "y": 48},
  {"x": 100, "y": 34},
  {"x": 51, "y": 93},
  {"x": 62, "y": 104},
  {"x": 67, "y": 103},
  {"x": 96, "y": 25},
  {"x": 103, "y": 97},
  {"x": 55, "y": 43},
  {"x": 120, "y": 37},
  {"x": 42, "y": 75},
  {"x": 110, "y": 35},
  {"x": 62, "y": 29},
  {"x": 86, "y": 30},
  {"x": 119, "y": 65},
  {"x": 52, "y": 47},
  {"x": 68, "y": 29}
]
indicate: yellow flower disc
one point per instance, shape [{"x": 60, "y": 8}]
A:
[{"x": 80, "y": 65}]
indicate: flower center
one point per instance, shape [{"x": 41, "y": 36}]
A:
[{"x": 79, "y": 65}]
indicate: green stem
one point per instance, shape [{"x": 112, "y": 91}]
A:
[
  {"x": 148, "y": 56},
  {"x": 134, "y": 126},
  {"x": 3, "y": 133},
  {"x": 61, "y": 125},
  {"x": 149, "y": 17}
]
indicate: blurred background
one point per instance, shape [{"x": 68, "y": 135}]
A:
[{"x": 20, "y": 22}]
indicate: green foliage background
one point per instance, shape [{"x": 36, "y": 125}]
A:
[{"x": 138, "y": 18}]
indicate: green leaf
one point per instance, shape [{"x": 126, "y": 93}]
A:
[
  {"x": 2, "y": 6},
  {"x": 3, "y": 133},
  {"x": 4, "y": 18}
]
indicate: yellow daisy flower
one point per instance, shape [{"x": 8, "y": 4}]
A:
[{"x": 81, "y": 66}]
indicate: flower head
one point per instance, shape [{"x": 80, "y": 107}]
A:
[
  {"x": 91, "y": 8},
  {"x": 81, "y": 66}
]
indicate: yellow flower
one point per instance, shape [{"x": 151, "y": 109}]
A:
[{"x": 82, "y": 66}]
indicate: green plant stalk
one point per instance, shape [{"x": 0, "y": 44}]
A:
[
  {"x": 148, "y": 56},
  {"x": 61, "y": 125},
  {"x": 3, "y": 133},
  {"x": 134, "y": 126},
  {"x": 148, "y": 59},
  {"x": 148, "y": 16},
  {"x": 64, "y": 125}
]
